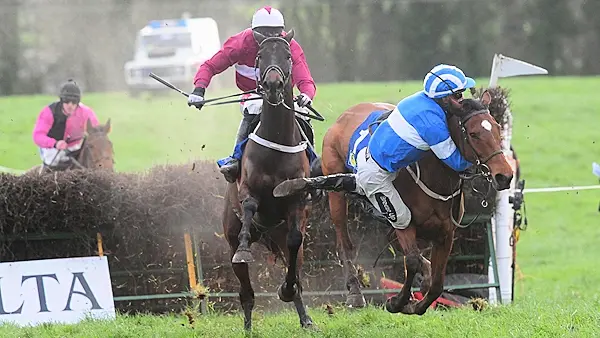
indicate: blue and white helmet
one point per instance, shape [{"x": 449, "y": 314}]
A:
[{"x": 443, "y": 79}]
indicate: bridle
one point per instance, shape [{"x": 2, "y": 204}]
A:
[
  {"x": 285, "y": 76},
  {"x": 481, "y": 167},
  {"x": 101, "y": 159}
]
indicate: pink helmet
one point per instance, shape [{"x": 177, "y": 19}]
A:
[{"x": 267, "y": 17}]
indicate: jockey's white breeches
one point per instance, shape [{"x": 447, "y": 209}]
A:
[
  {"x": 52, "y": 156},
  {"x": 377, "y": 185}
]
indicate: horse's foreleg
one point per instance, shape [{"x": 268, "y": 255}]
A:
[
  {"x": 339, "y": 214},
  {"x": 412, "y": 265},
  {"x": 231, "y": 228},
  {"x": 243, "y": 254},
  {"x": 246, "y": 292},
  {"x": 439, "y": 260},
  {"x": 291, "y": 289}
]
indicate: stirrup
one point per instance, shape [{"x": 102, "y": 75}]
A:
[{"x": 227, "y": 161}]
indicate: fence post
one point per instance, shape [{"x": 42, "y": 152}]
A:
[
  {"x": 189, "y": 257},
  {"x": 100, "y": 246},
  {"x": 203, "y": 302}
]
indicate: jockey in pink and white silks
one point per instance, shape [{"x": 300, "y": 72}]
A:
[
  {"x": 60, "y": 126},
  {"x": 240, "y": 51},
  {"x": 417, "y": 124}
]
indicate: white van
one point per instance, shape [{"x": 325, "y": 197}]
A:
[{"x": 172, "y": 49}]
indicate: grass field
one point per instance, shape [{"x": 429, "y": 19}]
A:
[{"x": 555, "y": 136}]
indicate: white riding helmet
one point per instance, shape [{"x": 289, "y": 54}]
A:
[{"x": 267, "y": 17}]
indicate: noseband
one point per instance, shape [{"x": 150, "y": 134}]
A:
[{"x": 277, "y": 68}]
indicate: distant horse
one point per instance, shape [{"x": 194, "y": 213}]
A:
[
  {"x": 96, "y": 152},
  {"x": 273, "y": 153},
  {"x": 431, "y": 190}
]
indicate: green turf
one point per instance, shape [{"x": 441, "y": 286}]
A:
[
  {"x": 555, "y": 136},
  {"x": 527, "y": 319}
]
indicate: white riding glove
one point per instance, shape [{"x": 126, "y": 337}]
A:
[
  {"x": 303, "y": 100},
  {"x": 196, "y": 97},
  {"x": 193, "y": 99}
]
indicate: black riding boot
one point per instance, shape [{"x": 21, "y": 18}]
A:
[
  {"x": 231, "y": 170},
  {"x": 336, "y": 182}
]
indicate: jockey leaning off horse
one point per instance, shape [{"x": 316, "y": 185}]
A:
[
  {"x": 416, "y": 125},
  {"x": 60, "y": 125},
  {"x": 241, "y": 49}
]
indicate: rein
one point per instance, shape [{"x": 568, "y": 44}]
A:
[{"x": 67, "y": 152}]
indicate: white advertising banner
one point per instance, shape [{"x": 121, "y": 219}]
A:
[{"x": 63, "y": 290}]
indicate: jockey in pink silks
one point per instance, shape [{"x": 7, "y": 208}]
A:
[
  {"x": 60, "y": 126},
  {"x": 240, "y": 51}
]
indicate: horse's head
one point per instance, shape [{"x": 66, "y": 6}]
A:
[
  {"x": 274, "y": 61},
  {"x": 481, "y": 141},
  {"x": 98, "y": 152}
]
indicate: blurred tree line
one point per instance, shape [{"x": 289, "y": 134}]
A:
[{"x": 43, "y": 42}]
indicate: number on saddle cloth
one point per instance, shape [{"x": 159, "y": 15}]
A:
[
  {"x": 361, "y": 136},
  {"x": 238, "y": 151}
]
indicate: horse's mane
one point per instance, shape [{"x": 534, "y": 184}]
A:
[
  {"x": 471, "y": 105},
  {"x": 500, "y": 101}
]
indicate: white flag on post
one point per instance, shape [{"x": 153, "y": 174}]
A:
[{"x": 505, "y": 66}]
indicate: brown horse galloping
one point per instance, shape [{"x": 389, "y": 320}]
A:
[
  {"x": 96, "y": 152},
  {"x": 274, "y": 152},
  {"x": 431, "y": 190}
]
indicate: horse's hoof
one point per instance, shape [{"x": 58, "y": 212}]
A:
[
  {"x": 410, "y": 309},
  {"x": 355, "y": 300},
  {"x": 242, "y": 256},
  {"x": 308, "y": 324},
  {"x": 391, "y": 306},
  {"x": 290, "y": 187},
  {"x": 285, "y": 295}
]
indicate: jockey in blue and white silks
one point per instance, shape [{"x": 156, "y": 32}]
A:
[{"x": 417, "y": 124}]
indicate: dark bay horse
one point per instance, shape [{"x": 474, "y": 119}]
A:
[
  {"x": 96, "y": 152},
  {"x": 431, "y": 190},
  {"x": 274, "y": 152}
]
